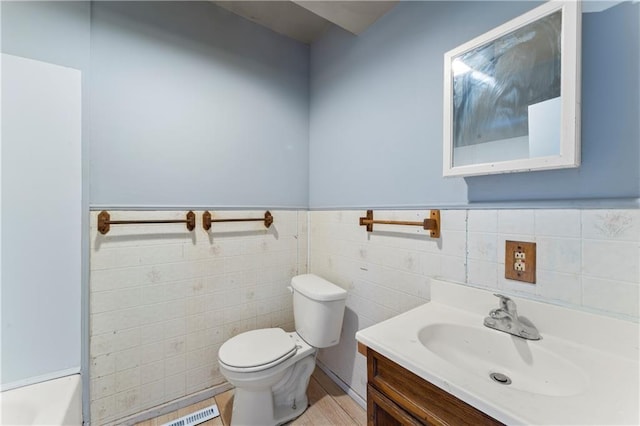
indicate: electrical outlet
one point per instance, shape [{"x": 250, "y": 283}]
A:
[{"x": 520, "y": 261}]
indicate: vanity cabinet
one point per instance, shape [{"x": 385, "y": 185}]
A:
[{"x": 395, "y": 396}]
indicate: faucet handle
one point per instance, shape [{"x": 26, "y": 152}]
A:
[
  {"x": 502, "y": 297},
  {"x": 506, "y": 303}
]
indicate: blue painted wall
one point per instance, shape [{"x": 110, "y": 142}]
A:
[
  {"x": 193, "y": 106},
  {"x": 55, "y": 32},
  {"x": 376, "y": 111},
  {"x": 184, "y": 103},
  {"x": 189, "y": 105}
]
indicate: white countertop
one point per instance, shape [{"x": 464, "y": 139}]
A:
[{"x": 600, "y": 354}]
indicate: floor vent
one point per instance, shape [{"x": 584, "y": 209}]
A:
[{"x": 196, "y": 418}]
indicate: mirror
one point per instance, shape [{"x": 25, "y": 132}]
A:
[{"x": 511, "y": 99}]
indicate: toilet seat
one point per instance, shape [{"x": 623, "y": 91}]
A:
[{"x": 257, "y": 350}]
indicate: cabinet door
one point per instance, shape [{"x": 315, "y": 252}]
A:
[
  {"x": 381, "y": 411},
  {"x": 421, "y": 399}
]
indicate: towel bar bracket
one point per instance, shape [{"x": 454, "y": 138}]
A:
[
  {"x": 207, "y": 220},
  {"x": 432, "y": 224},
  {"x": 105, "y": 222}
]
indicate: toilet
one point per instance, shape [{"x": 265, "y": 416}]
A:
[{"x": 271, "y": 368}]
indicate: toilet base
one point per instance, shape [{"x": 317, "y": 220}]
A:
[
  {"x": 279, "y": 415},
  {"x": 286, "y": 413},
  {"x": 278, "y": 404}
]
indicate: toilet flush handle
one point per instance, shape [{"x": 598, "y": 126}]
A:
[{"x": 290, "y": 289}]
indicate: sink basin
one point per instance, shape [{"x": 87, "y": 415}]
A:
[
  {"x": 584, "y": 370},
  {"x": 482, "y": 351}
]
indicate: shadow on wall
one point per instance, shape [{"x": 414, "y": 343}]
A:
[
  {"x": 341, "y": 358},
  {"x": 186, "y": 92},
  {"x": 610, "y": 127},
  {"x": 100, "y": 239},
  {"x": 218, "y": 34},
  {"x": 406, "y": 236}
]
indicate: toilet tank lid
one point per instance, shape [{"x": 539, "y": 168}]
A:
[{"x": 317, "y": 288}]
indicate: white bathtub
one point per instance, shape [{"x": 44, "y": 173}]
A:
[{"x": 54, "y": 402}]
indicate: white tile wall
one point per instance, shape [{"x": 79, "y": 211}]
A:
[
  {"x": 587, "y": 259},
  {"x": 163, "y": 300}
]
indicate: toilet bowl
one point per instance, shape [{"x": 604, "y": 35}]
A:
[
  {"x": 271, "y": 368},
  {"x": 274, "y": 391}
]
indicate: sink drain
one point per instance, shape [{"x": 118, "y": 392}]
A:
[{"x": 500, "y": 378}]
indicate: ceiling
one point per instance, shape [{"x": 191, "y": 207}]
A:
[{"x": 306, "y": 21}]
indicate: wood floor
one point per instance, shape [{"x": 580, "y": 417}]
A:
[{"x": 329, "y": 405}]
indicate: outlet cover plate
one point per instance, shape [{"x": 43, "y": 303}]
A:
[{"x": 527, "y": 249}]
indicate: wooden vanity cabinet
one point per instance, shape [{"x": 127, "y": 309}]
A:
[{"x": 395, "y": 396}]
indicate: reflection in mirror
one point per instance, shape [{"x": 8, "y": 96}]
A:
[{"x": 506, "y": 96}]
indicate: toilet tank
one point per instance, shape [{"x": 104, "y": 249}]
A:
[{"x": 318, "y": 309}]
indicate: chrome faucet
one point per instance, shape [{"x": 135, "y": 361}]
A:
[{"x": 505, "y": 318}]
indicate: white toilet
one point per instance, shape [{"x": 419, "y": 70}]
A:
[{"x": 270, "y": 368}]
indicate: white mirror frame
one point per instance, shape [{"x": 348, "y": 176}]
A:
[{"x": 569, "y": 92}]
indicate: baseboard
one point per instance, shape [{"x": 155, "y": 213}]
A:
[
  {"x": 172, "y": 406},
  {"x": 345, "y": 387}
]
